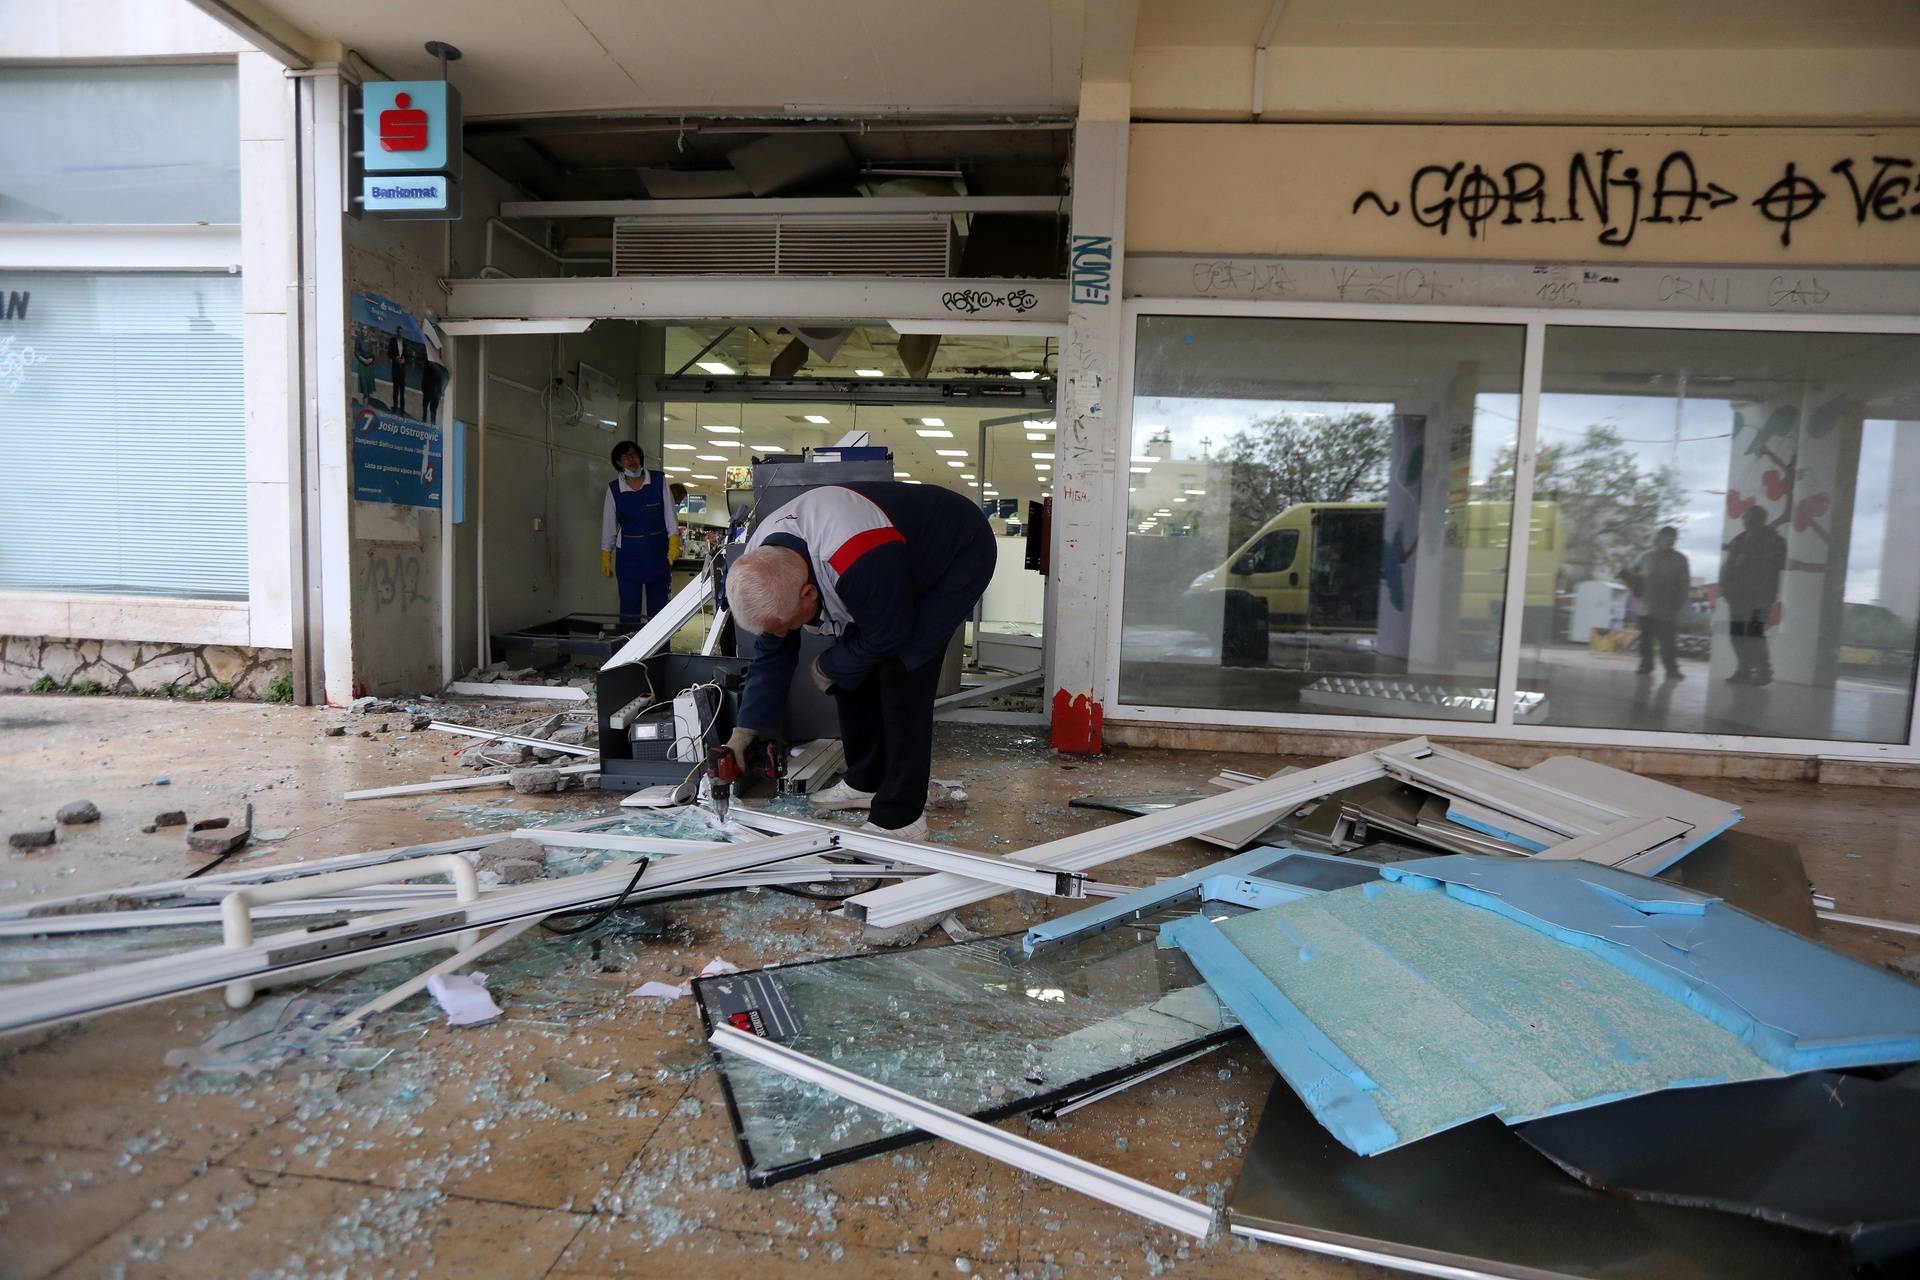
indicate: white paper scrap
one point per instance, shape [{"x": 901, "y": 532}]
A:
[
  {"x": 671, "y": 991},
  {"x": 464, "y": 996}
]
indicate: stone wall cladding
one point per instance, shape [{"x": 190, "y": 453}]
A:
[{"x": 125, "y": 666}]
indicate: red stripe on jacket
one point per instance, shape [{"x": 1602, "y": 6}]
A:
[{"x": 861, "y": 543}]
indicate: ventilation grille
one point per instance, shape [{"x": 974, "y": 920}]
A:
[{"x": 775, "y": 244}]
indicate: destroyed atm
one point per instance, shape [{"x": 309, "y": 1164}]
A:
[{"x": 660, "y": 712}]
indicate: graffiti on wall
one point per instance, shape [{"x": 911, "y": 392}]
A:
[
  {"x": 393, "y": 581},
  {"x": 1606, "y": 190},
  {"x": 1091, "y": 268}
]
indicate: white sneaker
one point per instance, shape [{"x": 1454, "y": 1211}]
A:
[
  {"x": 840, "y": 796},
  {"x": 915, "y": 830}
]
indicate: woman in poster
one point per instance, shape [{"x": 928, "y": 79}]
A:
[{"x": 639, "y": 535}]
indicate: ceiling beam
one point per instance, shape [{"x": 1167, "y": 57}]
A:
[
  {"x": 1054, "y": 205},
  {"x": 266, "y": 31},
  {"x": 955, "y": 305}
]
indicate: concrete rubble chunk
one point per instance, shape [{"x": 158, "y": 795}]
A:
[
  {"x": 31, "y": 839},
  {"x": 337, "y": 731},
  {"x": 77, "y": 813},
  {"x": 533, "y": 782},
  {"x": 171, "y": 818},
  {"x": 514, "y": 861}
]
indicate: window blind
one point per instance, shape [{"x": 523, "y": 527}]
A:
[{"x": 122, "y": 435}]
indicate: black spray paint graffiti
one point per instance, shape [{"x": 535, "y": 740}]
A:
[
  {"x": 1618, "y": 198},
  {"x": 1092, "y": 269},
  {"x": 395, "y": 580},
  {"x": 970, "y": 301}
]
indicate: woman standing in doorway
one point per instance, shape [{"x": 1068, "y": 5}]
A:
[{"x": 639, "y": 536}]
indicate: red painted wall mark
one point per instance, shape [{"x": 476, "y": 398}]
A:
[{"x": 1076, "y": 723}]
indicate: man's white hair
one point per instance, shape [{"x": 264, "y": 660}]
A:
[{"x": 764, "y": 586}]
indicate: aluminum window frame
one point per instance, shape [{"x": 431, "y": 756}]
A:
[{"x": 1535, "y": 322}]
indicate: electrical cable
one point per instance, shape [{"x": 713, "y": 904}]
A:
[{"x": 604, "y": 912}]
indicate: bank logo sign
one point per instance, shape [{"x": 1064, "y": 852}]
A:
[{"x": 410, "y": 148}]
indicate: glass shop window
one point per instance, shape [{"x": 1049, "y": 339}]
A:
[
  {"x": 1737, "y": 557},
  {"x": 122, "y": 144},
  {"x": 122, "y": 435},
  {"x": 1318, "y": 515}
]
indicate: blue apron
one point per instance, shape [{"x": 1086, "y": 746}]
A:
[{"x": 640, "y": 563}]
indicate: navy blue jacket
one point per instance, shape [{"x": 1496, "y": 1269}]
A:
[{"x": 898, "y": 568}]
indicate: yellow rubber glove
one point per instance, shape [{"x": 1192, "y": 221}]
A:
[
  {"x": 673, "y": 550},
  {"x": 606, "y": 564}
]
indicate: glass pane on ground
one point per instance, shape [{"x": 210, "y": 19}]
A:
[{"x": 977, "y": 1027}]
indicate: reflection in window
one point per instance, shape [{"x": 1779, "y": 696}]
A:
[
  {"x": 1316, "y": 518},
  {"x": 120, "y": 144},
  {"x": 1735, "y": 557}
]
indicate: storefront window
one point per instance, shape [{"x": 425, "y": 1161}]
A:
[
  {"x": 1739, "y": 529},
  {"x": 124, "y": 144},
  {"x": 1318, "y": 515},
  {"x": 122, "y": 436}
]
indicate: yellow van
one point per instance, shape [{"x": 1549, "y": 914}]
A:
[{"x": 1320, "y": 565}]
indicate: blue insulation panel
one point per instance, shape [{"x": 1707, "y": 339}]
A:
[{"x": 1397, "y": 1010}]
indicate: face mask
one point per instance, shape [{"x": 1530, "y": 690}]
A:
[{"x": 632, "y": 473}]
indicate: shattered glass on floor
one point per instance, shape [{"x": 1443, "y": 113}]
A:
[{"x": 977, "y": 1027}]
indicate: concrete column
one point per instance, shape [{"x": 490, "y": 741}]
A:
[
  {"x": 1090, "y": 462},
  {"x": 326, "y": 463},
  {"x": 268, "y": 299}
]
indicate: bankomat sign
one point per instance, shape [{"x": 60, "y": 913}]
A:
[{"x": 410, "y": 148}]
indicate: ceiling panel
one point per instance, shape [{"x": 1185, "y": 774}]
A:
[{"x": 527, "y": 57}]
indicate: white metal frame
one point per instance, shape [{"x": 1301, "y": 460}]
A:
[
  {"x": 1117, "y": 1189},
  {"x": 1535, "y": 321}
]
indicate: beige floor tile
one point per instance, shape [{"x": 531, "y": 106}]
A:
[
  {"x": 55, "y": 1204},
  {"x": 232, "y": 1223}
]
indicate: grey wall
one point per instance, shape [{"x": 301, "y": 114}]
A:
[{"x": 397, "y": 587}]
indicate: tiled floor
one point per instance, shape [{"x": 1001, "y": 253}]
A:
[{"x": 464, "y": 1154}]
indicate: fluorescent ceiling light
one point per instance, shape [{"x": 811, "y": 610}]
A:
[
  {"x": 951, "y": 453},
  {"x": 721, "y": 429},
  {"x": 870, "y": 373},
  {"x": 1179, "y": 499},
  {"x": 933, "y": 422},
  {"x": 1043, "y": 466},
  {"x": 968, "y": 475},
  {"x": 1196, "y": 493},
  {"x": 698, "y": 476},
  {"x": 1141, "y": 471},
  {"x": 1034, "y": 424},
  {"x": 973, "y": 484},
  {"x": 683, "y": 446},
  {"x": 766, "y": 448},
  {"x": 816, "y": 419},
  {"x": 933, "y": 433},
  {"x": 1044, "y": 456},
  {"x": 681, "y": 469},
  {"x": 1147, "y": 458},
  {"x": 1025, "y": 375},
  {"x": 991, "y": 493},
  {"x": 955, "y": 462},
  {"x": 913, "y": 482},
  {"x": 901, "y": 475},
  {"x": 724, "y": 444},
  {"x": 714, "y": 366},
  {"x": 1133, "y": 490},
  {"x": 711, "y": 457}
]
